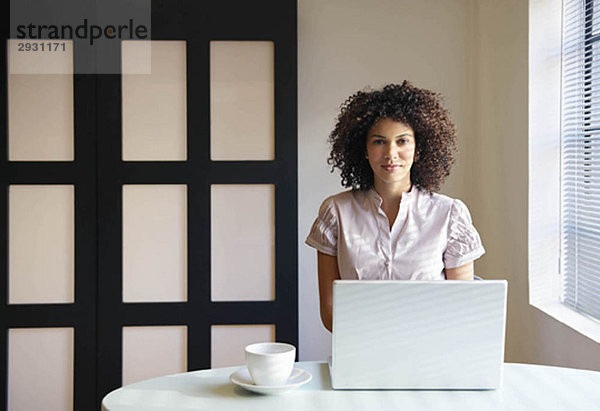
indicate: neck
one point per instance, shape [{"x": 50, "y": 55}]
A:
[{"x": 391, "y": 193}]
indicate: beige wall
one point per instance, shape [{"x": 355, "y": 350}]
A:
[
  {"x": 343, "y": 46},
  {"x": 498, "y": 200},
  {"x": 475, "y": 52}
]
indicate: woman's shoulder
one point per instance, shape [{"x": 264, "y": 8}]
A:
[
  {"x": 347, "y": 197},
  {"x": 434, "y": 198},
  {"x": 346, "y": 202},
  {"x": 441, "y": 202}
]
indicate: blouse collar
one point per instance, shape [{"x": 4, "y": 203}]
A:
[{"x": 407, "y": 197}]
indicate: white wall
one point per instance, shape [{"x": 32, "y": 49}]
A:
[
  {"x": 498, "y": 199},
  {"x": 343, "y": 46},
  {"x": 474, "y": 52}
]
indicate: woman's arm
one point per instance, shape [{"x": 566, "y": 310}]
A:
[
  {"x": 328, "y": 272},
  {"x": 464, "y": 272}
]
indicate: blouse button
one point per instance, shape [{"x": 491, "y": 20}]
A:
[{"x": 387, "y": 263}]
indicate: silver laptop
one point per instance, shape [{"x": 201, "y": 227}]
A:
[{"x": 418, "y": 334}]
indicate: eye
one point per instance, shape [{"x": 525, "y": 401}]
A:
[
  {"x": 402, "y": 141},
  {"x": 378, "y": 141}
]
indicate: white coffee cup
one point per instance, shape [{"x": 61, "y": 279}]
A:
[{"x": 270, "y": 363}]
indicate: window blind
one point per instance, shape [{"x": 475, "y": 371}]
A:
[{"x": 580, "y": 154}]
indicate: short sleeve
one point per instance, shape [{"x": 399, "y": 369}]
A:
[
  {"x": 464, "y": 244},
  {"x": 324, "y": 231}
]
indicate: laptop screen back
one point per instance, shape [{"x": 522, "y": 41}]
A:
[{"x": 418, "y": 334}]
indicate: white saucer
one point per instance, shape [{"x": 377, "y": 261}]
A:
[{"x": 242, "y": 378}]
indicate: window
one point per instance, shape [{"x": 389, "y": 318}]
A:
[
  {"x": 564, "y": 175},
  {"x": 580, "y": 154}
]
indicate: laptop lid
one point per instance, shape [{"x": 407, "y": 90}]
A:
[{"x": 418, "y": 334}]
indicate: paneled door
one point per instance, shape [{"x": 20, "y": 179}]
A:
[{"x": 149, "y": 218}]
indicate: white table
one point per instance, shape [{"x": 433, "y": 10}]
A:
[{"x": 526, "y": 387}]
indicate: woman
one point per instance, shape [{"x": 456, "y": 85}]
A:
[{"x": 394, "y": 148}]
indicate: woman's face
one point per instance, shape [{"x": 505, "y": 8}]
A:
[{"x": 391, "y": 152}]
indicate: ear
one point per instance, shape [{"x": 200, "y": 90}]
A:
[{"x": 417, "y": 156}]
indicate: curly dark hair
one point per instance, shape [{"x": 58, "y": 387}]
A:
[{"x": 435, "y": 134}]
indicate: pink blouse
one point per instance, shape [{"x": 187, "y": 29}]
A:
[{"x": 431, "y": 232}]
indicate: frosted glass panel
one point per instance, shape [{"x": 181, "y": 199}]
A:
[
  {"x": 40, "y": 106},
  {"x": 154, "y": 104},
  {"x": 153, "y": 351},
  {"x": 228, "y": 342},
  {"x": 41, "y": 244},
  {"x": 154, "y": 243},
  {"x": 242, "y": 125},
  {"x": 40, "y": 369},
  {"x": 242, "y": 242}
]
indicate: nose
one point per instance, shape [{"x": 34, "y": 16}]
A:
[{"x": 391, "y": 152}]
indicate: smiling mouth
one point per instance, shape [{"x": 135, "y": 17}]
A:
[{"x": 391, "y": 167}]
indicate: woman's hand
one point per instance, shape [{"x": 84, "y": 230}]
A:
[
  {"x": 328, "y": 273},
  {"x": 464, "y": 272}
]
